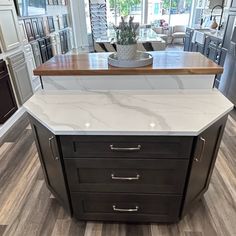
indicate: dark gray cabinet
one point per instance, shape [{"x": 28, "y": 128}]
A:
[
  {"x": 37, "y": 53},
  {"x": 43, "y": 50},
  {"x": 188, "y": 39},
  {"x": 202, "y": 163},
  {"x": 20, "y": 77},
  {"x": 35, "y": 27},
  {"x": 41, "y": 27},
  {"x": 7, "y": 99},
  {"x": 197, "y": 47},
  {"x": 128, "y": 178},
  {"x": 51, "y": 26},
  {"x": 29, "y": 29},
  {"x": 51, "y": 163}
]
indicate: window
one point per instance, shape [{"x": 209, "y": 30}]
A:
[{"x": 156, "y": 12}]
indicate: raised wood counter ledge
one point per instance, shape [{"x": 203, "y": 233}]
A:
[{"x": 164, "y": 63}]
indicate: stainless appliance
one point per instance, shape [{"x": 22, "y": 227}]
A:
[{"x": 228, "y": 79}]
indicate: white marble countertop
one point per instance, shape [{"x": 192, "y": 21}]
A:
[{"x": 165, "y": 112}]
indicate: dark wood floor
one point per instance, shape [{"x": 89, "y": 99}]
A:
[{"x": 27, "y": 208}]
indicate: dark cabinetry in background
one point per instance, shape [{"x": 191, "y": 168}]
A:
[
  {"x": 29, "y": 29},
  {"x": 41, "y": 27},
  {"x": 188, "y": 39},
  {"x": 7, "y": 100},
  {"x": 64, "y": 41},
  {"x": 43, "y": 49},
  {"x": 35, "y": 27}
]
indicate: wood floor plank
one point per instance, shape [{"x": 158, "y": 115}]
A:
[{"x": 28, "y": 208}]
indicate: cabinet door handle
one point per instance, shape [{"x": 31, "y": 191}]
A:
[
  {"x": 56, "y": 158},
  {"x": 125, "y": 210},
  {"x": 137, "y": 177},
  {"x": 125, "y": 149},
  {"x": 199, "y": 159}
]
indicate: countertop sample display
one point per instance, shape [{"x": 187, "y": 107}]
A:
[
  {"x": 173, "y": 112},
  {"x": 133, "y": 156},
  {"x": 164, "y": 63}
]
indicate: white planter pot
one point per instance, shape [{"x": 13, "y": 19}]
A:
[{"x": 126, "y": 52}]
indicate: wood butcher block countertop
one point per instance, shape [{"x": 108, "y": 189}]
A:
[{"x": 164, "y": 63}]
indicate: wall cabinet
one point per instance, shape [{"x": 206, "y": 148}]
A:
[
  {"x": 20, "y": 77},
  {"x": 29, "y": 29},
  {"x": 9, "y": 33},
  {"x": 7, "y": 99}
]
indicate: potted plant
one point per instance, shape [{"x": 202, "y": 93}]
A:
[{"x": 126, "y": 39}]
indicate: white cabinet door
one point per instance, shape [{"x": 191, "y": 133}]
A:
[
  {"x": 23, "y": 35},
  {"x": 6, "y": 2},
  {"x": 9, "y": 34}
]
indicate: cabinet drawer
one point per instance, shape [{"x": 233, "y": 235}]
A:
[
  {"x": 3, "y": 68},
  {"x": 122, "y": 175},
  {"x": 16, "y": 59},
  {"x": 126, "y": 207},
  {"x": 127, "y": 146}
]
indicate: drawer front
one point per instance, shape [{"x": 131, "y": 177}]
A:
[
  {"x": 3, "y": 68},
  {"x": 128, "y": 146},
  {"x": 122, "y": 175},
  {"x": 16, "y": 59},
  {"x": 126, "y": 207}
]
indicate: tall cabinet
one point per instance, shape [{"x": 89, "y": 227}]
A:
[
  {"x": 20, "y": 77},
  {"x": 9, "y": 34},
  {"x": 7, "y": 100}
]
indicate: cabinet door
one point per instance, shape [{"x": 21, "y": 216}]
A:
[
  {"x": 29, "y": 29},
  {"x": 44, "y": 54},
  {"x": 9, "y": 34},
  {"x": 20, "y": 77},
  {"x": 41, "y": 27},
  {"x": 203, "y": 161},
  {"x": 35, "y": 27},
  {"x": 229, "y": 30},
  {"x": 6, "y": 2},
  {"x": 51, "y": 163},
  {"x": 49, "y": 51},
  {"x": 7, "y": 99},
  {"x": 37, "y": 54},
  {"x": 51, "y": 24},
  {"x": 233, "y": 5},
  {"x": 24, "y": 38}
]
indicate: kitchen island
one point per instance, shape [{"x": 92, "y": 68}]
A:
[
  {"x": 170, "y": 70},
  {"x": 141, "y": 156}
]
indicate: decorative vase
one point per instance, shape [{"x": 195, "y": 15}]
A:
[
  {"x": 126, "y": 52},
  {"x": 214, "y": 24}
]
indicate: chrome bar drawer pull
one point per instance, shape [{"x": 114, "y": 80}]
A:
[
  {"x": 137, "y": 177},
  {"x": 125, "y": 210},
  {"x": 56, "y": 158},
  {"x": 125, "y": 149},
  {"x": 199, "y": 159}
]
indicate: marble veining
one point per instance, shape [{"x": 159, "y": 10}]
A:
[
  {"x": 146, "y": 112},
  {"x": 128, "y": 82}
]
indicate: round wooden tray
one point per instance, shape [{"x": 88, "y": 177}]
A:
[{"x": 142, "y": 59}]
